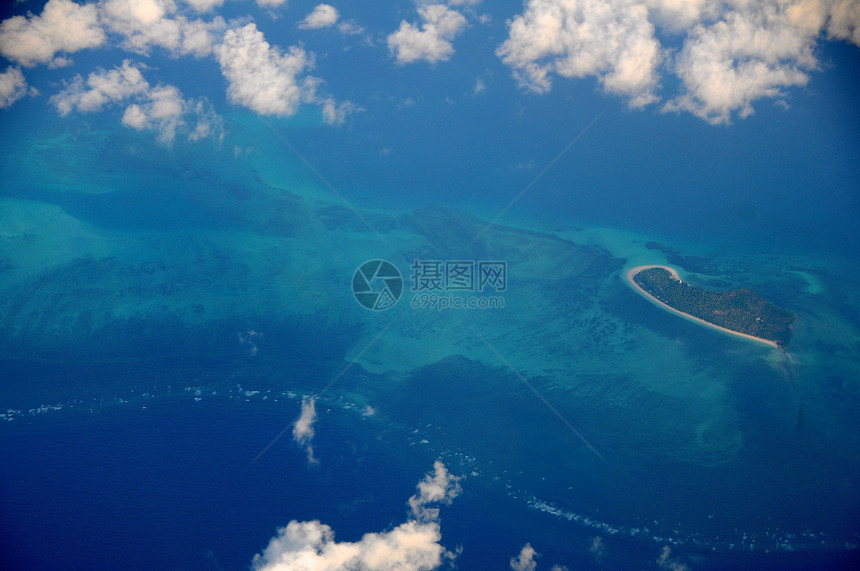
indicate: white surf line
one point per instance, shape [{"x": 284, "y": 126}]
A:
[
  {"x": 633, "y": 271},
  {"x": 327, "y": 387}
]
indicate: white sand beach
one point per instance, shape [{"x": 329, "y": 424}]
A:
[{"x": 635, "y": 270}]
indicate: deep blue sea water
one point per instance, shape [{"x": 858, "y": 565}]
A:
[
  {"x": 166, "y": 308},
  {"x": 163, "y": 476},
  {"x": 134, "y": 447}
]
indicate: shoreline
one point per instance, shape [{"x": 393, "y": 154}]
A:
[{"x": 635, "y": 270}]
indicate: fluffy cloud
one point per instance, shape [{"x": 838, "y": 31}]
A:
[
  {"x": 437, "y": 487},
  {"x": 747, "y": 55},
  {"x": 612, "y": 40},
  {"x": 259, "y": 76},
  {"x": 411, "y": 546},
  {"x": 63, "y": 26},
  {"x": 101, "y": 88},
  {"x": 525, "y": 561},
  {"x": 310, "y": 545},
  {"x": 678, "y": 15},
  {"x": 732, "y": 53},
  {"x": 161, "y": 108},
  {"x": 323, "y": 16},
  {"x": 843, "y": 19},
  {"x": 148, "y": 23},
  {"x": 13, "y": 86},
  {"x": 162, "y": 112},
  {"x": 432, "y": 41},
  {"x": 267, "y": 81}
]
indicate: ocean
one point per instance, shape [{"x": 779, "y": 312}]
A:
[{"x": 166, "y": 310}]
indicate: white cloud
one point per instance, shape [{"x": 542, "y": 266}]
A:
[
  {"x": 270, "y": 3},
  {"x": 63, "y": 26},
  {"x": 204, "y": 5},
  {"x": 210, "y": 125},
  {"x": 303, "y": 428},
  {"x": 678, "y": 15},
  {"x": 148, "y": 23},
  {"x": 432, "y": 41},
  {"x": 597, "y": 548},
  {"x": 335, "y": 113},
  {"x": 733, "y": 52},
  {"x": 323, "y": 16},
  {"x": 311, "y": 545},
  {"x": 747, "y": 55},
  {"x": 525, "y": 561},
  {"x": 162, "y": 112},
  {"x": 142, "y": 22},
  {"x": 612, "y": 40},
  {"x": 13, "y": 86},
  {"x": 266, "y": 81},
  {"x": 666, "y": 562},
  {"x": 259, "y": 76},
  {"x": 101, "y": 88},
  {"x": 350, "y": 27},
  {"x": 161, "y": 108},
  {"x": 844, "y": 22},
  {"x": 198, "y": 37},
  {"x": 437, "y": 487},
  {"x": 480, "y": 86}
]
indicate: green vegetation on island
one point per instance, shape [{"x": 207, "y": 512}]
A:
[{"x": 741, "y": 310}]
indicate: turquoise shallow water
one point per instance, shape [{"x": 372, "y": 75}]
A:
[{"x": 167, "y": 309}]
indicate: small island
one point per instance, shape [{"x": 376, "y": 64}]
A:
[{"x": 740, "y": 312}]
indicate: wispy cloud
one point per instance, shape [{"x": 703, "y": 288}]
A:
[
  {"x": 303, "y": 431},
  {"x": 303, "y": 427},
  {"x": 597, "y": 548},
  {"x": 665, "y": 561},
  {"x": 204, "y": 5}
]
